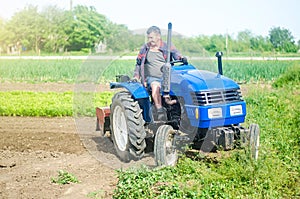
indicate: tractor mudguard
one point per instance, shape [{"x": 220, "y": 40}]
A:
[
  {"x": 139, "y": 93},
  {"x": 137, "y": 90}
]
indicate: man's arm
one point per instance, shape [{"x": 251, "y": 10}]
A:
[
  {"x": 138, "y": 64},
  {"x": 139, "y": 70},
  {"x": 178, "y": 56},
  {"x": 136, "y": 73},
  {"x": 175, "y": 53}
]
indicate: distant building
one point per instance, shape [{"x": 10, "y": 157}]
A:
[
  {"x": 12, "y": 49},
  {"x": 100, "y": 47}
]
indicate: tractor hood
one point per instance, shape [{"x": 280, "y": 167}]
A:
[
  {"x": 210, "y": 99},
  {"x": 188, "y": 78}
]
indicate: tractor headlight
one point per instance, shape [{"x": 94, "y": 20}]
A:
[
  {"x": 236, "y": 110},
  {"x": 214, "y": 113}
]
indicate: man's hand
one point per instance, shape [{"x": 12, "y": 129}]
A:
[
  {"x": 184, "y": 60},
  {"x": 134, "y": 79}
]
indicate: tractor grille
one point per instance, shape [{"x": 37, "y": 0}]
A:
[{"x": 203, "y": 98}]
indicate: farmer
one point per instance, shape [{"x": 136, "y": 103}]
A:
[{"x": 151, "y": 58}]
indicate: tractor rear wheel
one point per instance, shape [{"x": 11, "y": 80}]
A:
[
  {"x": 164, "y": 150},
  {"x": 127, "y": 125}
]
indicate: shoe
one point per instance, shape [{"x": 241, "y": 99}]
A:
[{"x": 161, "y": 115}]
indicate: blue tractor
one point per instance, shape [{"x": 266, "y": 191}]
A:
[{"x": 203, "y": 109}]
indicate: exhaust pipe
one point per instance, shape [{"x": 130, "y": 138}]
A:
[
  {"x": 219, "y": 56},
  {"x": 167, "y": 66},
  {"x": 166, "y": 82}
]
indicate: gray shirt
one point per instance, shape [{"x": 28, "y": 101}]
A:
[{"x": 153, "y": 64}]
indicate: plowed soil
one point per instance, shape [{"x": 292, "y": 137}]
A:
[{"x": 33, "y": 150}]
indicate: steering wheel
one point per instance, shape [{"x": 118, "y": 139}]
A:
[
  {"x": 183, "y": 60},
  {"x": 176, "y": 61}
]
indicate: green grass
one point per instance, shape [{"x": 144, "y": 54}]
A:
[{"x": 292, "y": 76}]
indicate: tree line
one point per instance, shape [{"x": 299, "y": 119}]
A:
[{"x": 83, "y": 29}]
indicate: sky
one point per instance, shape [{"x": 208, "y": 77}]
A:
[{"x": 189, "y": 17}]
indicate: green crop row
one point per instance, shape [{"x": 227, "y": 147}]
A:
[
  {"x": 39, "y": 70},
  {"x": 74, "y": 71},
  {"x": 51, "y": 104},
  {"x": 253, "y": 71},
  {"x": 69, "y": 71}
]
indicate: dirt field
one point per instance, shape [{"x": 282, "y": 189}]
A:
[{"x": 33, "y": 150}]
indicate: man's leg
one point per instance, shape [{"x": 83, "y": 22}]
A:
[{"x": 155, "y": 87}]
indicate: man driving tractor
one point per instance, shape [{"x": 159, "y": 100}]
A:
[{"x": 151, "y": 58}]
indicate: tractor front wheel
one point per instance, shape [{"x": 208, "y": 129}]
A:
[
  {"x": 254, "y": 140},
  {"x": 164, "y": 149},
  {"x": 127, "y": 125}
]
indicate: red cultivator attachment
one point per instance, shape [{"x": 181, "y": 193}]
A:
[{"x": 103, "y": 123}]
